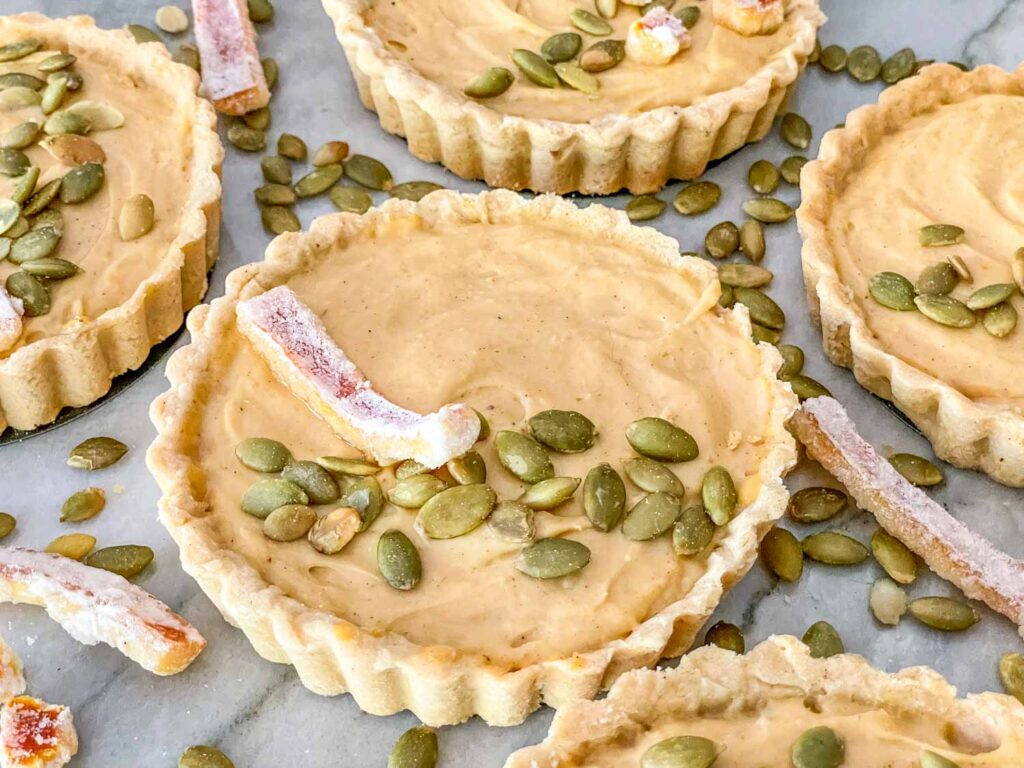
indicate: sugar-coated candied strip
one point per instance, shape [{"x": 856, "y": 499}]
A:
[
  {"x": 750, "y": 17},
  {"x": 11, "y": 311},
  {"x": 232, "y": 72},
  {"x": 34, "y": 734}
]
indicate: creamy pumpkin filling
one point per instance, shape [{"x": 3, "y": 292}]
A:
[
  {"x": 453, "y": 41},
  {"x": 150, "y": 154},
  {"x": 960, "y": 164},
  {"x": 511, "y": 319},
  {"x": 872, "y": 737}
]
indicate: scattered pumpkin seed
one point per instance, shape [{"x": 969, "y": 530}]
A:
[
  {"x": 718, "y": 492},
  {"x": 19, "y": 49},
  {"x": 834, "y": 548},
  {"x": 763, "y": 177},
  {"x": 652, "y": 516},
  {"x": 892, "y": 290},
  {"x": 188, "y": 54},
  {"x": 697, "y": 198},
  {"x": 523, "y": 456},
  {"x": 19, "y": 98},
  {"x": 607, "y": 8},
  {"x": 416, "y": 748},
  {"x": 13, "y": 162},
  {"x": 823, "y": 640},
  {"x": 689, "y": 15},
  {"x": 553, "y": 558},
  {"x": 413, "y": 190},
  {"x": 276, "y": 169},
  {"x": 258, "y": 118},
  {"x": 318, "y": 180},
  {"x": 19, "y": 229},
  {"x": 137, "y": 217},
  {"x": 563, "y": 431},
  {"x": 21, "y": 136},
  {"x": 365, "y": 496},
  {"x": 744, "y": 275},
  {"x": 805, "y": 388},
  {"x": 766, "y": 335},
  {"x": 143, "y": 34},
  {"x": 74, "y": 80},
  {"x": 512, "y": 521},
  {"x": 815, "y": 505},
  {"x": 782, "y": 554},
  {"x": 727, "y": 298},
  {"x": 791, "y": 168},
  {"x": 368, "y": 172},
  {"x": 490, "y": 83},
  {"x": 818, "y": 747},
  {"x": 590, "y": 23},
  {"x": 289, "y": 523},
  {"x": 278, "y": 219},
  {"x": 727, "y": 636},
  {"x": 894, "y": 557},
  {"x": 351, "y": 199},
  {"x": 9, "y": 213},
  {"x": 33, "y": 293},
  {"x": 792, "y": 361},
  {"x": 751, "y": 240},
  {"x": 762, "y": 309},
  {"x": 940, "y": 235},
  {"x": 944, "y": 613},
  {"x": 693, "y": 531},
  {"x": 561, "y": 47},
  {"x": 535, "y": 68},
  {"x": 960, "y": 266},
  {"x": 126, "y": 560},
  {"x": 864, "y": 63},
  {"x": 264, "y": 496},
  {"x": 916, "y": 470},
  {"x": 71, "y": 149},
  {"x": 456, "y": 511},
  {"x": 653, "y": 477},
  {"x": 1011, "y": 674},
  {"x": 25, "y": 185},
  {"x": 899, "y": 66},
  {"x": 53, "y": 96},
  {"x": 100, "y": 116},
  {"x": 604, "y": 497},
  {"x": 468, "y": 469},
  {"x": 332, "y": 532},
  {"x": 681, "y": 752},
  {"x": 36, "y": 244},
  {"x": 648, "y": 7},
  {"x": 644, "y": 208},
  {"x": 271, "y": 71},
  {"x": 275, "y": 194},
  {"x": 7, "y": 524},
  {"x": 83, "y": 505},
  {"x": 550, "y": 493},
  {"x": 20, "y": 80},
  {"x": 73, "y": 546},
  {"x": 1001, "y": 320},
  {"x": 247, "y": 139},
  {"x": 795, "y": 130},
  {"x": 204, "y": 757},
  {"x": 990, "y": 296},
  {"x": 51, "y": 269},
  {"x": 603, "y": 55},
  {"x": 65, "y": 123},
  {"x": 659, "y": 439},
  {"x": 833, "y": 58},
  {"x": 937, "y": 280},
  {"x": 888, "y": 601},
  {"x": 576, "y": 77},
  {"x": 51, "y": 218},
  {"x": 768, "y": 210},
  {"x": 171, "y": 19},
  {"x": 722, "y": 240},
  {"x": 263, "y": 454},
  {"x": 318, "y": 484},
  {"x": 408, "y": 468},
  {"x": 413, "y": 492},
  {"x": 81, "y": 183},
  {"x": 330, "y": 153},
  {"x": 261, "y": 11},
  {"x": 398, "y": 560},
  {"x": 96, "y": 453}
]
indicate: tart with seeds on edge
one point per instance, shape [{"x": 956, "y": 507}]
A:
[{"x": 409, "y": 590}]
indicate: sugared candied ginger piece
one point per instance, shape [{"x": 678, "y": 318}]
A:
[
  {"x": 656, "y": 37},
  {"x": 34, "y": 734},
  {"x": 11, "y": 310},
  {"x": 232, "y": 72},
  {"x": 750, "y": 17}
]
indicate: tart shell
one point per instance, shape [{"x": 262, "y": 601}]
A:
[
  {"x": 386, "y": 674},
  {"x": 640, "y": 152},
  {"x": 76, "y": 367},
  {"x": 963, "y": 432}
]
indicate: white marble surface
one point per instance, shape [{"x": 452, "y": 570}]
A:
[{"x": 258, "y": 712}]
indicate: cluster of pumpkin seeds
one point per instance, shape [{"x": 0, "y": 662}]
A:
[{"x": 865, "y": 64}]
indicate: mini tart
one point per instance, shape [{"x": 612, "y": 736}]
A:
[
  {"x": 411, "y": 62},
  {"x": 128, "y": 296},
  {"x": 939, "y": 148},
  {"x": 512, "y": 307},
  {"x": 755, "y": 706}
]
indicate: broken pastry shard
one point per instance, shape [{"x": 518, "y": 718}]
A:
[
  {"x": 34, "y": 734},
  {"x": 96, "y": 606},
  {"x": 303, "y": 357},
  {"x": 232, "y": 73},
  {"x": 750, "y": 17},
  {"x": 949, "y": 547},
  {"x": 11, "y": 310},
  {"x": 12, "y": 681}
]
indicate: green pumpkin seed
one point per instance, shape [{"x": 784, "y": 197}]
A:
[
  {"x": 20, "y": 227},
  {"x": 66, "y": 123},
  {"x": 1011, "y": 674},
  {"x": 53, "y": 96},
  {"x": 652, "y": 516},
  {"x": 74, "y": 80},
  {"x": 816, "y": 505},
  {"x": 681, "y": 752},
  {"x": 275, "y": 194},
  {"x": 944, "y": 613},
  {"x": 833, "y": 548},
  {"x": 763, "y": 177},
  {"x": 83, "y": 505},
  {"x": 767, "y": 335},
  {"x": 413, "y": 492},
  {"x": 20, "y": 80},
  {"x": 937, "y": 280},
  {"x": 782, "y": 554},
  {"x": 722, "y": 240},
  {"x": 33, "y": 293},
  {"x": 262, "y": 454},
  {"x": 893, "y": 291},
  {"x": 768, "y": 210},
  {"x": 247, "y": 139},
  {"x": 19, "y": 98},
  {"x": 644, "y": 208},
  {"x": 456, "y": 511},
  {"x": 81, "y": 183},
  {"x": 318, "y": 181},
  {"x": 278, "y": 219},
  {"x": 276, "y": 169},
  {"x": 818, "y": 747},
  {"x": 604, "y": 497},
  {"x": 551, "y": 493},
  {"x": 823, "y": 641},
  {"x": 607, "y": 8},
  {"x": 21, "y": 136},
  {"x": 603, "y": 55},
  {"x": 36, "y": 244},
  {"x": 330, "y": 153},
  {"x": 56, "y": 62},
  {"x": 41, "y": 199},
  {"x": 512, "y": 521},
  {"x": 561, "y": 47},
  {"x": 73, "y": 546},
  {"x": 13, "y": 162},
  {"x": 136, "y": 218},
  {"x": 727, "y": 298},
  {"x": 468, "y": 469},
  {"x": 791, "y": 168},
  {"x": 1001, "y": 320},
  {"x": 659, "y": 439},
  {"x": 899, "y": 66},
  {"x": 408, "y": 468},
  {"x": 894, "y": 557},
  {"x": 795, "y": 130},
  {"x": 289, "y": 523},
  {"x": 744, "y": 276},
  {"x": 490, "y": 83},
  {"x": 576, "y": 77},
  {"x": 416, "y": 748},
  {"x": 833, "y": 58},
  {"x": 523, "y": 456},
  {"x": 51, "y": 269},
  {"x": 648, "y": 7},
  {"x": 204, "y": 757},
  {"x": 51, "y": 219},
  {"x": 697, "y": 198},
  {"x": 693, "y": 531},
  {"x": 990, "y": 296},
  {"x": 762, "y": 309},
  {"x": 653, "y": 477},
  {"x": 7, "y": 524},
  {"x": 916, "y": 470},
  {"x": 718, "y": 492},
  {"x": 792, "y": 361},
  {"x": 563, "y": 431},
  {"x": 143, "y": 34},
  {"x": 751, "y": 240},
  {"x": 368, "y": 172},
  {"x": 413, "y": 190},
  {"x": 292, "y": 147},
  {"x": 351, "y": 199},
  {"x": 264, "y": 496},
  {"x": 25, "y": 185},
  {"x": 590, "y": 23},
  {"x": 365, "y": 496},
  {"x": 689, "y": 15},
  {"x": 96, "y": 453},
  {"x": 271, "y": 71},
  {"x": 727, "y": 636},
  {"x": 318, "y": 484},
  {"x": 261, "y": 11},
  {"x": 19, "y": 49},
  {"x": 258, "y": 118},
  {"x": 888, "y": 602},
  {"x": 940, "y": 235},
  {"x": 553, "y": 558},
  {"x": 535, "y": 68},
  {"x": 805, "y": 388},
  {"x": 930, "y": 759},
  {"x": 9, "y": 213},
  {"x": 864, "y": 63},
  {"x": 126, "y": 560}
]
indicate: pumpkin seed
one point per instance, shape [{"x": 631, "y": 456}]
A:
[
  {"x": 816, "y": 505},
  {"x": 19, "y": 49},
  {"x": 1011, "y": 674},
  {"x": 5, "y": 242},
  {"x": 916, "y": 470},
  {"x": 718, "y": 492},
  {"x": 53, "y": 96},
  {"x": 535, "y": 68},
  {"x": 607, "y": 8},
  {"x": 13, "y": 162},
  {"x": 930, "y": 759},
  {"x": 262, "y": 454},
  {"x": 653, "y": 477},
  {"x": 553, "y": 558},
  {"x": 66, "y": 123},
  {"x": 330, "y": 153},
  {"x": 791, "y": 168},
  {"x": 264, "y": 496},
  {"x": 590, "y": 23},
  {"x": 818, "y": 747},
  {"x": 276, "y": 169},
  {"x": 805, "y": 388},
  {"x": 940, "y": 235},
  {"x": 19, "y": 98},
  {"x": 71, "y": 149},
  {"x": 833, "y": 58},
  {"x": 261, "y": 11},
  {"x": 689, "y": 15},
  {"x": 766, "y": 335},
  {"x": 648, "y": 7},
  {"x": 20, "y": 227},
  {"x": 681, "y": 752},
  {"x": 74, "y": 80},
  {"x": 100, "y": 116},
  {"x": 490, "y": 83},
  {"x": 551, "y": 493},
  {"x": 722, "y": 240},
  {"x": 937, "y": 280},
  {"x": 275, "y": 194},
  {"x": 20, "y": 80},
  {"x": 137, "y": 217},
  {"x": 271, "y": 71},
  {"x": 408, "y": 468},
  {"x": 416, "y": 748},
  {"x": 792, "y": 361},
  {"x": 1001, "y": 320},
  {"x": 73, "y": 546},
  {"x": 204, "y": 757},
  {"x": 9, "y": 213},
  {"x": 523, "y": 456},
  {"x": 126, "y": 560},
  {"x": 289, "y": 523},
  {"x": 990, "y": 296},
  {"x": 604, "y": 497},
  {"x": 960, "y": 266},
  {"x": 36, "y": 244},
  {"x": 751, "y": 240},
  {"x": 365, "y": 496},
  {"x": 893, "y": 291},
  {"x": 834, "y": 548},
  {"x": 143, "y": 34},
  {"x": 413, "y": 492},
  {"x": 727, "y": 298},
  {"x": 258, "y": 118},
  {"x": 96, "y": 453},
  {"x": 795, "y": 130},
  {"x": 278, "y": 219},
  {"x": 456, "y": 511},
  {"x": 944, "y": 613},
  {"x": 763, "y": 177},
  {"x": 888, "y": 602},
  {"x": 51, "y": 269},
  {"x": 468, "y": 469},
  {"x": 247, "y": 139},
  {"x": 51, "y": 219},
  {"x": 332, "y": 532},
  {"x": 659, "y": 439},
  {"x": 724, "y": 635},
  {"x": 512, "y": 521},
  {"x": 25, "y": 185},
  {"x": 782, "y": 553},
  {"x": 171, "y": 19},
  {"x": 762, "y": 309},
  {"x": 318, "y": 484},
  {"x": 56, "y": 62},
  {"x": 35, "y": 296},
  {"x": 768, "y": 210},
  {"x": 319, "y": 180},
  {"x": 21, "y": 136},
  {"x": 1017, "y": 267},
  {"x": 563, "y": 431},
  {"x": 81, "y": 183},
  {"x": 644, "y": 208},
  {"x": 899, "y": 66},
  {"x": 744, "y": 275},
  {"x": 895, "y": 559},
  {"x": 561, "y": 47},
  {"x": 368, "y": 172},
  {"x": 413, "y": 190},
  {"x": 652, "y": 516},
  {"x": 351, "y": 199},
  {"x": 83, "y": 505},
  {"x": 697, "y": 198},
  {"x": 7, "y": 524},
  {"x": 576, "y": 77},
  {"x": 864, "y": 63},
  {"x": 603, "y": 55},
  {"x": 693, "y": 531}
]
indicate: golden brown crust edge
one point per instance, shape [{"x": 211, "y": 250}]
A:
[
  {"x": 963, "y": 432},
  {"x": 711, "y": 680},
  {"x": 641, "y": 153},
  {"x": 77, "y": 367},
  {"x": 388, "y": 674}
]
